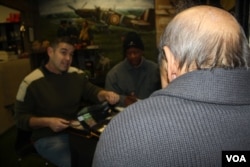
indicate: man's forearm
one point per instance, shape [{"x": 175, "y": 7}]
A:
[{"x": 38, "y": 122}]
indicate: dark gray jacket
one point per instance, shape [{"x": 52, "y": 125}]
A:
[{"x": 189, "y": 123}]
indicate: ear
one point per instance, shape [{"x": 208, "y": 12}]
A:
[
  {"x": 164, "y": 73},
  {"x": 173, "y": 70},
  {"x": 50, "y": 51}
]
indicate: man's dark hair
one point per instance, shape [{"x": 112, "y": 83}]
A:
[{"x": 64, "y": 39}]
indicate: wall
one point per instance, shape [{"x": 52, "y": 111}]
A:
[
  {"x": 109, "y": 21},
  {"x": 164, "y": 12},
  {"x": 9, "y": 14}
]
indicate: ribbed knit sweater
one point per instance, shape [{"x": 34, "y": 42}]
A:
[{"x": 189, "y": 123}]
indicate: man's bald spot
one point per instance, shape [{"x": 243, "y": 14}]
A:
[{"x": 210, "y": 18}]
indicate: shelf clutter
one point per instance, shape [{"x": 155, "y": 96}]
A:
[
  {"x": 7, "y": 56},
  {"x": 11, "y": 37}
]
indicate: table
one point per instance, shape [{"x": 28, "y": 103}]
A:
[{"x": 82, "y": 143}]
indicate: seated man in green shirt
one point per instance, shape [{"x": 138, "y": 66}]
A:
[{"x": 49, "y": 98}]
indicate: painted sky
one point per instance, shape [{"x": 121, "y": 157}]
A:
[{"x": 58, "y": 6}]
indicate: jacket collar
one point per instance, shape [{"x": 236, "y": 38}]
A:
[{"x": 219, "y": 86}]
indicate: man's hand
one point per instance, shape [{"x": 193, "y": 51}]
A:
[
  {"x": 130, "y": 99},
  {"x": 109, "y": 96},
  {"x": 58, "y": 124},
  {"x": 54, "y": 123}
]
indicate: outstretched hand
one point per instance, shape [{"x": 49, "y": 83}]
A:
[
  {"x": 112, "y": 98},
  {"x": 109, "y": 96}
]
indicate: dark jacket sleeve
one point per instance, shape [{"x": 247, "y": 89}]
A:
[{"x": 91, "y": 91}]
